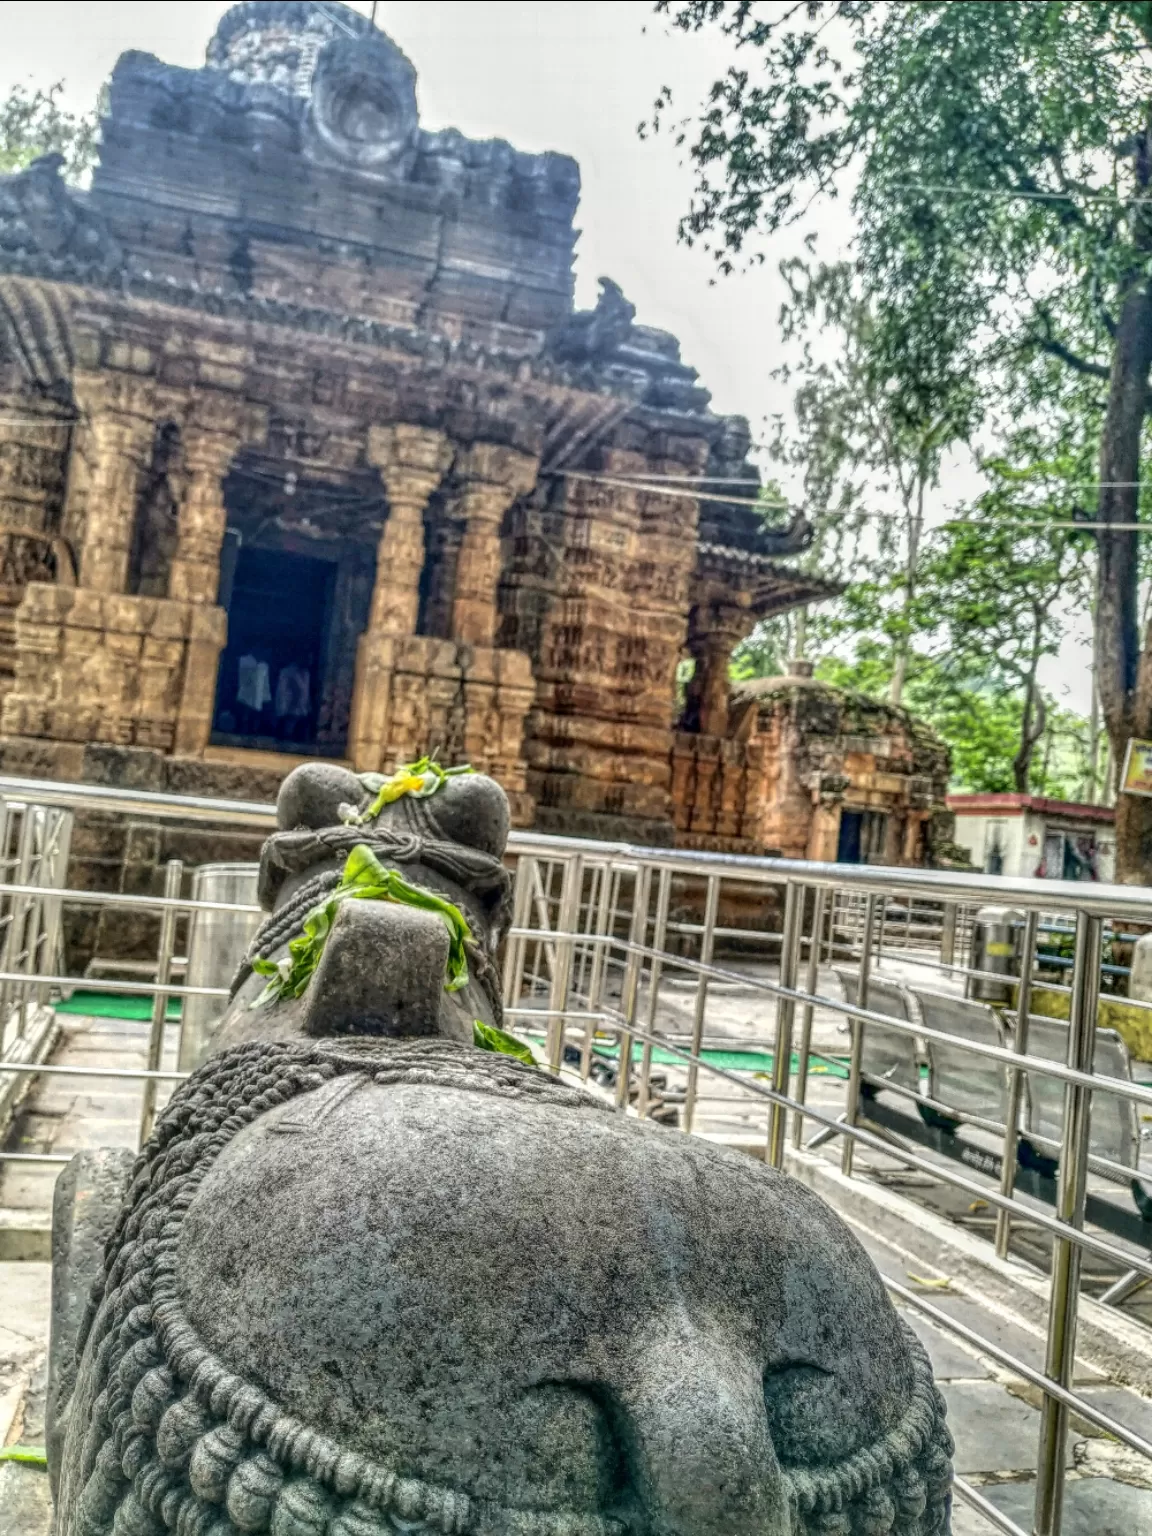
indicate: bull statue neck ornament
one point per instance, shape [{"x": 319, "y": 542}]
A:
[{"x": 367, "y": 1278}]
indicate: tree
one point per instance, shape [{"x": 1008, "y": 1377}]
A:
[
  {"x": 1001, "y": 158},
  {"x": 997, "y": 591},
  {"x": 32, "y": 123},
  {"x": 867, "y": 467}
]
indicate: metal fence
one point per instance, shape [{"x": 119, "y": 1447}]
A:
[
  {"x": 599, "y": 930},
  {"x": 605, "y": 937}
]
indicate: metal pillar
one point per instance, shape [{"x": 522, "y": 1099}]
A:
[
  {"x": 852, "y": 1109},
  {"x": 173, "y": 878},
  {"x": 785, "y": 1015},
  {"x": 1064, "y": 1293}
]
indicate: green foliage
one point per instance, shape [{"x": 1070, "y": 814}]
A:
[
  {"x": 486, "y": 1037},
  {"x": 364, "y": 879},
  {"x": 32, "y": 123},
  {"x": 28, "y": 1455},
  {"x": 761, "y": 655},
  {"x": 998, "y": 158},
  {"x": 988, "y": 146}
]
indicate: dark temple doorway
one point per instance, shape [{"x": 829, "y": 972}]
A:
[
  {"x": 296, "y": 575},
  {"x": 272, "y": 673}
]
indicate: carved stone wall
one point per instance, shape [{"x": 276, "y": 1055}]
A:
[
  {"x": 468, "y": 702},
  {"x": 608, "y": 640},
  {"x": 108, "y": 667},
  {"x": 798, "y": 755}
]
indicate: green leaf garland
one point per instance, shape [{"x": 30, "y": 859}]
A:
[
  {"x": 364, "y": 879},
  {"x": 486, "y": 1037}
]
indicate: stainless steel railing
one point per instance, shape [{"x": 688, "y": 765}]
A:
[
  {"x": 604, "y": 934},
  {"x": 600, "y": 960}
]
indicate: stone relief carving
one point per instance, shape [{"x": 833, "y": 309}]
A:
[
  {"x": 595, "y": 334},
  {"x": 363, "y": 106},
  {"x": 367, "y": 1278},
  {"x": 41, "y": 216}
]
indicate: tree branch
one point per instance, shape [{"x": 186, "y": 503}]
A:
[{"x": 1079, "y": 364}]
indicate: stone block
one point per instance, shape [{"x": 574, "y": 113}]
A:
[
  {"x": 479, "y": 664},
  {"x": 157, "y": 733},
  {"x": 87, "y": 609},
  {"x": 161, "y": 653},
  {"x": 125, "y": 614},
  {"x": 514, "y": 669},
  {"x": 208, "y": 624},
  {"x": 38, "y": 639},
  {"x": 123, "y": 646},
  {"x": 46, "y": 604},
  {"x": 216, "y": 376},
  {"x": 169, "y": 620},
  {"x": 67, "y": 722}
]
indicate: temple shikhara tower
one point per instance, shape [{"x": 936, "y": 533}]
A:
[{"x": 304, "y": 450}]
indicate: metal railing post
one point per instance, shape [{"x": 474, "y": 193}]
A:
[
  {"x": 34, "y": 919},
  {"x": 12, "y": 994},
  {"x": 604, "y": 910},
  {"x": 514, "y": 954},
  {"x": 637, "y": 932},
  {"x": 785, "y": 1016},
  {"x": 852, "y": 1107},
  {"x": 1016, "y": 1080},
  {"x": 707, "y": 942},
  {"x": 948, "y": 934},
  {"x": 811, "y": 982},
  {"x": 61, "y": 846},
  {"x": 173, "y": 878},
  {"x": 659, "y": 938},
  {"x": 1064, "y": 1293},
  {"x": 567, "y": 917}
]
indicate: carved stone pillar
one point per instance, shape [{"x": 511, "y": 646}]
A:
[
  {"x": 713, "y": 636},
  {"x": 412, "y": 461},
  {"x": 195, "y": 574},
  {"x": 117, "y": 446},
  {"x": 490, "y": 478}
]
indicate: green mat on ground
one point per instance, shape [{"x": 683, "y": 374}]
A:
[
  {"x": 114, "y": 1005},
  {"x": 729, "y": 1061},
  {"x": 111, "y": 1005}
]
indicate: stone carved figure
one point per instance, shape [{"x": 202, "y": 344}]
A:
[
  {"x": 596, "y": 334},
  {"x": 40, "y": 214},
  {"x": 366, "y": 1279}
]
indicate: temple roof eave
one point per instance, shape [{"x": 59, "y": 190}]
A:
[{"x": 771, "y": 587}]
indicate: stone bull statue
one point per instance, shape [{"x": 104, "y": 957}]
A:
[{"x": 366, "y": 1278}]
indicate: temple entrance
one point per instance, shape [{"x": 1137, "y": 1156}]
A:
[
  {"x": 863, "y": 836},
  {"x": 273, "y": 673}
]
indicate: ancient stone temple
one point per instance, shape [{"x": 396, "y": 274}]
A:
[{"x": 303, "y": 449}]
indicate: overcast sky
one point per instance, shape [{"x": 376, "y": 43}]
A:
[
  {"x": 569, "y": 75},
  {"x": 574, "y": 77}
]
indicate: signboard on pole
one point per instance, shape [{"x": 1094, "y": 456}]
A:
[{"x": 1137, "y": 776}]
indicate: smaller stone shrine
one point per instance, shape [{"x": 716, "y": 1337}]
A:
[
  {"x": 800, "y": 769},
  {"x": 373, "y": 1275}
]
